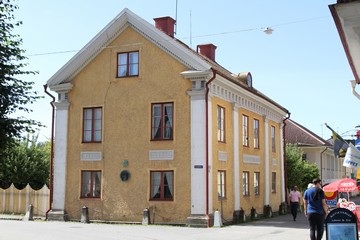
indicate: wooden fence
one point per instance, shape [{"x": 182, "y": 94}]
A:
[{"x": 14, "y": 201}]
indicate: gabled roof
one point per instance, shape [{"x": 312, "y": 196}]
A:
[
  {"x": 298, "y": 134},
  {"x": 125, "y": 19},
  {"x": 174, "y": 47}
]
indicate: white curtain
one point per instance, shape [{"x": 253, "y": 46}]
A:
[
  {"x": 156, "y": 120},
  {"x": 155, "y": 183},
  {"x": 169, "y": 177},
  {"x": 168, "y": 124},
  {"x": 86, "y": 184}
]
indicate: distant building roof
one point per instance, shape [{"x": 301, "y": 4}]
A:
[{"x": 298, "y": 134}]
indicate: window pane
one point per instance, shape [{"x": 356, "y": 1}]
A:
[
  {"x": 155, "y": 185},
  {"x": 96, "y": 184},
  {"x": 221, "y": 184},
  {"x": 122, "y": 59},
  {"x": 134, "y": 57},
  {"x": 87, "y": 125},
  {"x": 122, "y": 71},
  {"x": 87, "y": 113},
  {"x": 167, "y": 188},
  {"x": 87, "y": 136},
  {"x": 168, "y": 121},
  {"x": 97, "y": 113},
  {"x": 86, "y": 184},
  {"x": 134, "y": 69},
  {"x": 97, "y": 136}
]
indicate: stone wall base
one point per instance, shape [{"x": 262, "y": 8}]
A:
[
  {"x": 200, "y": 220},
  {"x": 56, "y": 215}
]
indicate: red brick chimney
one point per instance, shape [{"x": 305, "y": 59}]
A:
[
  {"x": 165, "y": 24},
  {"x": 208, "y": 50}
]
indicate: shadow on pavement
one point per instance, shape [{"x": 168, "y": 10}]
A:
[{"x": 281, "y": 221}]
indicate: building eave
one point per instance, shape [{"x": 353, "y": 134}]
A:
[{"x": 347, "y": 21}]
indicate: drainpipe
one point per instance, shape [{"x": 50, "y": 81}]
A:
[
  {"x": 207, "y": 145},
  {"x": 51, "y": 148},
  {"x": 321, "y": 167},
  {"x": 284, "y": 150}
]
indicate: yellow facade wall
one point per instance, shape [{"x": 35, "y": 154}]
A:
[
  {"x": 251, "y": 201},
  {"x": 126, "y": 105}
]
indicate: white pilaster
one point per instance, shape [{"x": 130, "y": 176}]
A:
[
  {"x": 236, "y": 158},
  {"x": 198, "y": 152},
  {"x": 60, "y": 153},
  {"x": 267, "y": 163}
]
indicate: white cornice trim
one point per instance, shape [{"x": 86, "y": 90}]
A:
[
  {"x": 231, "y": 92},
  {"x": 65, "y": 87}
]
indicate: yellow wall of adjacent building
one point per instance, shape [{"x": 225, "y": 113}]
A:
[
  {"x": 251, "y": 201},
  {"x": 126, "y": 105}
]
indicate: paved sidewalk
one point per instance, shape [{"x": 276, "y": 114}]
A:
[{"x": 276, "y": 228}]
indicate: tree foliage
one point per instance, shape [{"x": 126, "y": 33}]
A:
[
  {"x": 26, "y": 162},
  {"x": 299, "y": 172},
  {"x": 15, "y": 93}
]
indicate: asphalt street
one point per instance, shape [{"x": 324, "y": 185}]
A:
[{"x": 278, "y": 227}]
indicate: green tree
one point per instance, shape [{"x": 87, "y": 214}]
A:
[
  {"x": 299, "y": 172},
  {"x": 26, "y": 161},
  {"x": 15, "y": 93}
]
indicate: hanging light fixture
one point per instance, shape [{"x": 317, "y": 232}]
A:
[{"x": 268, "y": 30}]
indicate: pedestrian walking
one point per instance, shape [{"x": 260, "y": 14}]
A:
[
  {"x": 315, "y": 209},
  {"x": 294, "y": 198}
]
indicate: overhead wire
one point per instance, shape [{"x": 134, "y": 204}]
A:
[{"x": 200, "y": 36}]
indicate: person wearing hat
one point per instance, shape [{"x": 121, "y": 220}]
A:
[{"x": 315, "y": 209}]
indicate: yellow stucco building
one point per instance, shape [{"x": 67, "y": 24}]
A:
[{"x": 144, "y": 122}]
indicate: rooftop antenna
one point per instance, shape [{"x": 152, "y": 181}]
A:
[{"x": 190, "y": 31}]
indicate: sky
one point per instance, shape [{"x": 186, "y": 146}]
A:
[{"x": 301, "y": 65}]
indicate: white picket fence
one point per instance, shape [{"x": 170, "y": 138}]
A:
[{"x": 14, "y": 201}]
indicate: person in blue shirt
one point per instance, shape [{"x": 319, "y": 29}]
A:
[{"x": 315, "y": 209}]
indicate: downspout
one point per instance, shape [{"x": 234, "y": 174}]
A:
[
  {"x": 207, "y": 145},
  {"x": 321, "y": 167},
  {"x": 284, "y": 156},
  {"x": 51, "y": 148}
]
